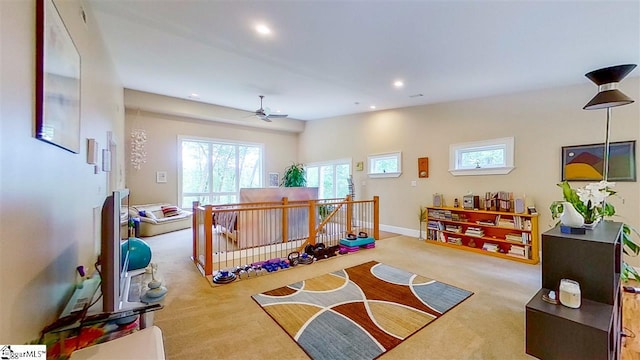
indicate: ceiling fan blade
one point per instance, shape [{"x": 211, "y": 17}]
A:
[
  {"x": 265, "y": 118},
  {"x": 277, "y": 116}
]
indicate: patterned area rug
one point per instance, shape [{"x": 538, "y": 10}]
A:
[{"x": 359, "y": 312}]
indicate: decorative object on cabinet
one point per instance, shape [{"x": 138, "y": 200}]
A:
[
  {"x": 608, "y": 96},
  {"x": 584, "y": 162},
  {"x": 592, "y": 331},
  {"x": 57, "y": 80},
  {"x": 588, "y": 201},
  {"x": 438, "y": 200},
  {"x": 570, "y": 216},
  {"x": 471, "y": 202},
  {"x": 423, "y": 167},
  {"x": 500, "y": 234}
]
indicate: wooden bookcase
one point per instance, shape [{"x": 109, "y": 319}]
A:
[{"x": 501, "y": 234}]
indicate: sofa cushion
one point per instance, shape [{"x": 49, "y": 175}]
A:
[
  {"x": 169, "y": 211},
  {"x": 147, "y": 214}
]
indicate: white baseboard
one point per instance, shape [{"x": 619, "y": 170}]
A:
[{"x": 400, "y": 230}]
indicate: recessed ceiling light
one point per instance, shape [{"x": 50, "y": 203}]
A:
[
  {"x": 194, "y": 95},
  {"x": 372, "y": 107},
  {"x": 263, "y": 29},
  {"x": 398, "y": 83}
]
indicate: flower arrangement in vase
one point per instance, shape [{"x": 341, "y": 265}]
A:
[{"x": 588, "y": 201}]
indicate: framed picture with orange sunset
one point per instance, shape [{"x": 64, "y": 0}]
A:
[{"x": 586, "y": 162}]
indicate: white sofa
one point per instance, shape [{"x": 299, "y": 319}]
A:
[{"x": 153, "y": 220}]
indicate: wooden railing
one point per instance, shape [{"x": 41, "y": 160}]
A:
[{"x": 236, "y": 235}]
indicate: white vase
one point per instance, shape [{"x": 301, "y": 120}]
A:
[{"x": 570, "y": 216}]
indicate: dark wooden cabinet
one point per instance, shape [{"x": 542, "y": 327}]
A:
[{"x": 592, "y": 331}]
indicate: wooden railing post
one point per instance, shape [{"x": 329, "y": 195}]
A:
[
  {"x": 194, "y": 229},
  {"x": 376, "y": 217},
  {"x": 349, "y": 225},
  {"x": 285, "y": 220},
  {"x": 312, "y": 222},
  {"x": 208, "y": 245}
]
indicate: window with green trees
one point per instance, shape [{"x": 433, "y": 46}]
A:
[
  {"x": 331, "y": 178},
  {"x": 213, "y": 172}
]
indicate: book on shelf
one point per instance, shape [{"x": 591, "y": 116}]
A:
[
  {"x": 513, "y": 237},
  {"x": 486, "y": 222},
  {"x": 474, "y": 231},
  {"x": 519, "y": 251},
  {"x": 453, "y": 228},
  {"x": 435, "y": 225},
  {"x": 454, "y": 240},
  {"x": 490, "y": 247}
]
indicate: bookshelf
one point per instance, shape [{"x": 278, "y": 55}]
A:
[{"x": 500, "y": 234}]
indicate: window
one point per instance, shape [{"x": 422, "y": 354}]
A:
[
  {"x": 331, "y": 178},
  {"x": 213, "y": 171},
  {"x": 385, "y": 165},
  {"x": 488, "y": 157}
]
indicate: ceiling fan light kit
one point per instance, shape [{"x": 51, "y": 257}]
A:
[{"x": 264, "y": 114}]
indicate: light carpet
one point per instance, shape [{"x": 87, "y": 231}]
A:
[{"x": 359, "y": 312}]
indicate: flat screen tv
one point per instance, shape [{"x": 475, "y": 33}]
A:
[{"x": 114, "y": 259}]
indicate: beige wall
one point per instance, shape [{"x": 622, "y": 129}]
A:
[
  {"x": 541, "y": 122},
  {"x": 48, "y": 194},
  {"x": 280, "y": 147}
]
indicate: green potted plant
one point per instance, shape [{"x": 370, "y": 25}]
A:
[
  {"x": 590, "y": 202},
  {"x": 294, "y": 176},
  {"x": 422, "y": 219}
]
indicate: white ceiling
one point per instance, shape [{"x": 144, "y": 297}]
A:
[{"x": 330, "y": 58}]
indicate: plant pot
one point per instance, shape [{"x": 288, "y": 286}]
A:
[{"x": 591, "y": 226}]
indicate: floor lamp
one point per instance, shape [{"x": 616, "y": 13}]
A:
[{"x": 608, "y": 96}]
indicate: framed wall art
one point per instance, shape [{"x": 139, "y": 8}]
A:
[
  {"x": 274, "y": 179},
  {"x": 161, "y": 177},
  {"x": 57, "y": 80},
  {"x": 586, "y": 162}
]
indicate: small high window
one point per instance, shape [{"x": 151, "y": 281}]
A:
[
  {"x": 488, "y": 157},
  {"x": 385, "y": 165}
]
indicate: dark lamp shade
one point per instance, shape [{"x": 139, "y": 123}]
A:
[
  {"x": 610, "y": 74},
  {"x": 606, "y": 99},
  {"x": 611, "y": 96}
]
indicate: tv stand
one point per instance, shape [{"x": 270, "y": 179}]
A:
[{"x": 89, "y": 293}]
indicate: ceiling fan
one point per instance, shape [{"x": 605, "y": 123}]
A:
[{"x": 265, "y": 114}]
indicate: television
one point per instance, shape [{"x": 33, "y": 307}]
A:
[{"x": 114, "y": 258}]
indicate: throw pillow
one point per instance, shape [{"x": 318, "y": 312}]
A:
[{"x": 169, "y": 211}]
